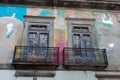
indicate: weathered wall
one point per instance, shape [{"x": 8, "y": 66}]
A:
[
  {"x": 64, "y": 75},
  {"x": 11, "y": 24},
  {"x": 107, "y": 29}
]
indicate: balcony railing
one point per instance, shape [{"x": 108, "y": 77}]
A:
[
  {"x": 35, "y": 55},
  {"x": 87, "y": 57}
]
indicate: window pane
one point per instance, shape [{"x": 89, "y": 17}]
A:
[
  {"x": 32, "y": 39},
  {"x": 76, "y": 39},
  {"x": 86, "y": 41},
  {"x": 43, "y": 40}
]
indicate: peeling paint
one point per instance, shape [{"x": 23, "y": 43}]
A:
[
  {"x": 106, "y": 19},
  {"x": 45, "y": 13},
  {"x": 61, "y": 13},
  {"x": 8, "y": 11},
  {"x": 106, "y": 27}
]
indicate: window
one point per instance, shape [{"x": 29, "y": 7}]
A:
[
  {"x": 38, "y": 35},
  {"x": 81, "y": 35},
  {"x": 38, "y": 31},
  {"x": 39, "y": 38}
]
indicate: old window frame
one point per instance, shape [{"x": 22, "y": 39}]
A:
[
  {"x": 38, "y": 31},
  {"x": 82, "y": 34},
  {"x": 84, "y": 22},
  {"x": 89, "y": 23},
  {"x": 48, "y": 21}
]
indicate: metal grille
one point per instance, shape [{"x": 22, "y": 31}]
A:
[
  {"x": 36, "y": 55},
  {"x": 84, "y": 56}
]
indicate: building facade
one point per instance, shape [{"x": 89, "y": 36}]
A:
[{"x": 59, "y": 41}]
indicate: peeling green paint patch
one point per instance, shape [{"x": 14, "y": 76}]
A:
[
  {"x": 9, "y": 35},
  {"x": 107, "y": 25},
  {"x": 45, "y": 13},
  {"x": 61, "y": 13}
]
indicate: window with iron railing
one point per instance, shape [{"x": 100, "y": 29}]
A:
[
  {"x": 82, "y": 47},
  {"x": 38, "y": 35},
  {"x": 38, "y": 40},
  {"x": 81, "y": 38}
]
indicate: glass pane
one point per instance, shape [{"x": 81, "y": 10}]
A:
[
  {"x": 43, "y": 39},
  {"x": 88, "y": 53},
  {"x": 86, "y": 41},
  {"x": 76, "y": 39},
  {"x": 32, "y": 39}
]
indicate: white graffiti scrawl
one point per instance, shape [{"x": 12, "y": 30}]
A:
[
  {"x": 10, "y": 27},
  {"x": 106, "y": 18}
]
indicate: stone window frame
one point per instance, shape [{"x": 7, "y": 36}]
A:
[
  {"x": 81, "y": 21},
  {"x": 82, "y": 34},
  {"x": 49, "y": 21}
]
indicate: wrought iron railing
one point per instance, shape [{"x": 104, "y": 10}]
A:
[
  {"x": 85, "y": 56},
  {"x": 36, "y": 55}
]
